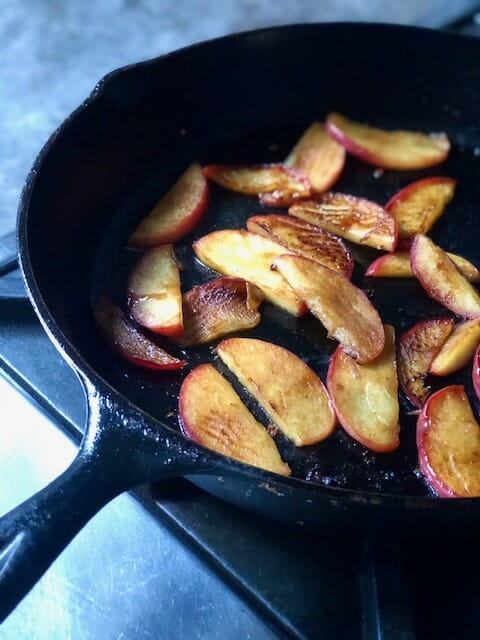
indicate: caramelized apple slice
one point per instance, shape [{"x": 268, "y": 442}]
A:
[
  {"x": 476, "y": 372},
  {"x": 355, "y": 219},
  {"x": 317, "y": 156},
  {"x": 276, "y": 184},
  {"x": 441, "y": 279},
  {"x": 154, "y": 294},
  {"x": 448, "y": 442},
  {"x": 212, "y": 414},
  {"x": 250, "y": 256},
  {"x": 401, "y": 150},
  {"x": 291, "y": 394},
  {"x": 124, "y": 338},
  {"x": 176, "y": 214},
  {"x": 397, "y": 265},
  {"x": 418, "y": 206},
  {"x": 416, "y": 351},
  {"x": 458, "y": 349},
  {"x": 218, "y": 307},
  {"x": 344, "y": 310},
  {"x": 306, "y": 240},
  {"x": 365, "y": 396}
]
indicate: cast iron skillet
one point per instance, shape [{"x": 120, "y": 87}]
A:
[{"x": 243, "y": 98}]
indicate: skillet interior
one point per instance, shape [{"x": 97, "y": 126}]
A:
[{"x": 230, "y": 101}]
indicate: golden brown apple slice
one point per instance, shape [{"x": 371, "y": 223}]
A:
[
  {"x": 317, "y": 156},
  {"x": 276, "y": 184},
  {"x": 458, "y": 349},
  {"x": 124, "y": 338},
  {"x": 176, "y": 214},
  {"x": 397, "y": 265},
  {"x": 418, "y": 206},
  {"x": 400, "y": 150},
  {"x": 247, "y": 255},
  {"x": 365, "y": 396},
  {"x": 415, "y": 353},
  {"x": 212, "y": 414},
  {"x": 343, "y": 309},
  {"x": 291, "y": 394},
  {"x": 356, "y": 219},
  {"x": 218, "y": 307},
  {"x": 476, "y": 372},
  {"x": 448, "y": 442},
  {"x": 305, "y": 239},
  {"x": 441, "y": 279},
  {"x": 154, "y": 294}
]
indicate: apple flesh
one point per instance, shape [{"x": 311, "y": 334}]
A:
[
  {"x": 343, "y": 309},
  {"x": 416, "y": 351},
  {"x": 448, "y": 442},
  {"x": 398, "y": 150},
  {"x": 176, "y": 214},
  {"x": 317, "y": 156},
  {"x": 356, "y": 219},
  {"x": 305, "y": 239},
  {"x": 155, "y": 299},
  {"x": 458, "y": 349},
  {"x": 365, "y": 396},
  {"x": 397, "y": 265},
  {"x": 124, "y": 338},
  {"x": 476, "y": 372},
  {"x": 288, "y": 390},
  {"x": 218, "y": 307},
  {"x": 242, "y": 254},
  {"x": 213, "y": 415},
  {"x": 441, "y": 279}
]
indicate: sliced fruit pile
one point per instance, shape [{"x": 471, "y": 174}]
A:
[{"x": 300, "y": 260}]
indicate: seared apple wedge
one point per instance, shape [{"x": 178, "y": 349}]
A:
[
  {"x": 416, "y": 351},
  {"x": 247, "y": 255},
  {"x": 305, "y": 239},
  {"x": 448, "y": 442},
  {"x": 397, "y": 265},
  {"x": 458, "y": 349},
  {"x": 343, "y": 309},
  {"x": 356, "y": 219},
  {"x": 124, "y": 338},
  {"x": 275, "y": 184},
  {"x": 476, "y": 372},
  {"x": 290, "y": 393},
  {"x": 365, "y": 396},
  {"x": 441, "y": 279},
  {"x": 317, "y": 156},
  {"x": 154, "y": 294},
  {"x": 218, "y": 307},
  {"x": 212, "y": 414},
  {"x": 418, "y": 206},
  {"x": 399, "y": 150},
  {"x": 176, "y": 214}
]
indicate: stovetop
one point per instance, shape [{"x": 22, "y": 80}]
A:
[{"x": 170, "y": 561}]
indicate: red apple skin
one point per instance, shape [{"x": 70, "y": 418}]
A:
[{"x": 476, "y": 372}]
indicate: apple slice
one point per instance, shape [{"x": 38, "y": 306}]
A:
[
  {"x": 397, "y": 265},
  {"x": 441, "y": 279},
  {"x": 400, "y": 150},
  {"x": 343, "y": 309},
  {"x": 218, "y": 307},
  {"x": 154, "y": 294},
  {"x": 318, "y": 157},
  {"x": 242, "y": 254},
  {"x": 458, "y": 349},
  {"x": 416, "y": 351},
  {"x": 476, "y": 372},
  {"x": 275, "y": 184},
  {"x": 124, "y": 338},
  {"x": 365, "y": 396},
  {"x": 176, "y": 214},
  {"x": 291, "y": 394},
  {"x": 448, "y": 442},
  {"x": 355, "y": 219},
  {"x": 212, "y": 414},
  {"x": 305, "y": 239},
  {"x": 418, "y": 206}
]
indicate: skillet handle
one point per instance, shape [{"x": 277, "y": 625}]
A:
[{"x": 33, "y": 534}]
